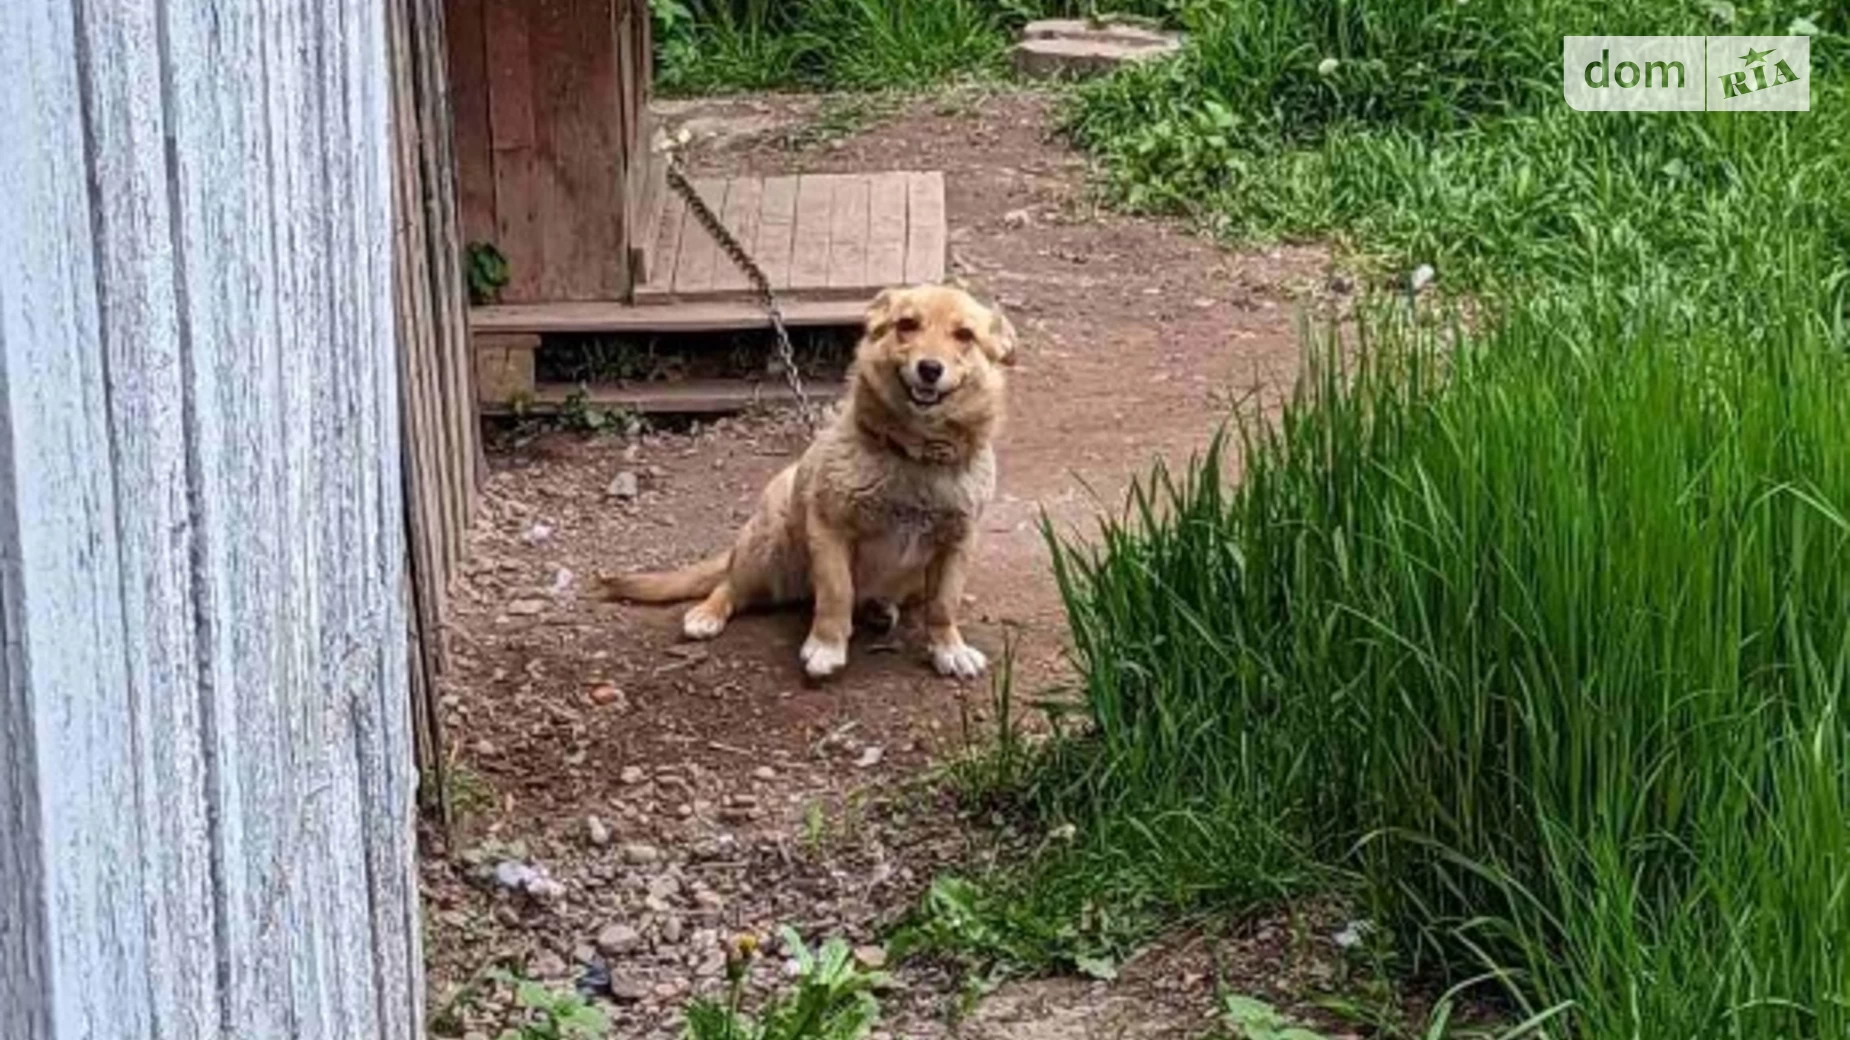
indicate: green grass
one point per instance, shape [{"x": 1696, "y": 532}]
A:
[
  {"x": 712, "y": 46},
  {"x": 1527, "y": 631}
]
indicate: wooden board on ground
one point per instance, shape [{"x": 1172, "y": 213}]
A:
[
  {"x": 816, "y": 236},
  {"x": 692, "y": 397},
  {"x": 716, "y": 316}
]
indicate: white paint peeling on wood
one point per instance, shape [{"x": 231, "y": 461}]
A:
[{"x": 205, "y": 787}]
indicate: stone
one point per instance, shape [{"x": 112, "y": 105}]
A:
[
  {"x": 526, "y": 607},
  {"x": 596, "y": 832},
  {"x": 673, "y": 931},
  {"x": 632, "y": 775},
  {"x": 627, "y": 990},
  {"x": 624, "y": 485},
  {"x": 548, "y": 965},
  {"x": 765, "y": 773},
  {"x": 873, "y": 958},
  {"x": 618, "y": 939},
  {"x": 1060, "y": 48},
  {"x": 607, "y": 695},
  {"x": 638, "y": 854}
]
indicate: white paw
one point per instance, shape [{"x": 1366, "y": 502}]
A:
[
  {"x": 959, "y": 660},
  {"x": 698, "y": 624},
  {"x": 821, "y": 659}
]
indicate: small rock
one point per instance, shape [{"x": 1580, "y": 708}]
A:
[
  {"x": 632, "y": 775},
  {"x": 526, "y": 607},
  {"x": 513, "y": 874},
  {"x": 618, "y": 939},
  {"x": 707, "y": 899},
  {"x": 673, "y": 931},
  {"x": 712, "y": 967},
  {"x": 624, "y": 485},
  {"x": 627, "y": 990},
  {"x": 595, "y": 832},
  {"x": 873, "y": 958},
  {"x": 605, "y": 695},
  {"x": 548, "y": 965},
  {"x": 638, "y": 854},
  {"x": 870, "y": 756},
  {"x": 667, "y": 990},
  {"x": 537, "y": 533},
  {"x": 561, "y": 583},
  {"x": 1017, "y": 218},
  {"x": 1421, "y": 277},
  {"x": 764, "y": 773}
]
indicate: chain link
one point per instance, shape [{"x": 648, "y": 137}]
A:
[{"x": 761, "y": 284}]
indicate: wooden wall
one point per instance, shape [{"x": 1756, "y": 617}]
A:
[
  {"x": 443, "y": 461},
  {"x": 550, "y": 100},
  {"x": 206, "y": 788}
]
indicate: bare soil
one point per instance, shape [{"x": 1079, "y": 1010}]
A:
[{"x": 673, "y": 794}]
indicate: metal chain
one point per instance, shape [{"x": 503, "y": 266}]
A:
[{"x": 760, "y": 283}]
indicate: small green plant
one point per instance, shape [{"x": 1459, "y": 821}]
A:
[
  {"x": 832, "y": 999},
  {"x": 1251, "y": 1019},
  {"x": 548, "y": 1015},
  {"x": 577, "y": 412},
  {"x": 488, "y": 273}
]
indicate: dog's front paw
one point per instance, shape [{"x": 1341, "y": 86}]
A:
[
  {"x": 822, "y": 659},
  {"x": 701, "y": 623},
  {"x": 958, "y": 660}
]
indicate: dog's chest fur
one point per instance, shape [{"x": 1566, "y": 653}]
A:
[{"x": 909, "y": 508}]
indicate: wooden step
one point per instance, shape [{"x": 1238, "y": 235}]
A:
[
  {"x": 714, "y": 316},
  {"x": 690, "y": 397},
  {"x": 824, "y": 235}
]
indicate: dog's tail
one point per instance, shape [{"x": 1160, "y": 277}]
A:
[{"x": 669, "y": 586}]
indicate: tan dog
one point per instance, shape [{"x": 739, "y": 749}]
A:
[{"x": 882, "y": 508}]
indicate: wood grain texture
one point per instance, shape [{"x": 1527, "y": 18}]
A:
[
  {"x": 744, "y": 197},
  {"x": 777, "y": 221},
  {"x": 809, "y": 250},
  {"x": 927, "y": 236},
  {"x": 205, "y": 782},
  {"x": 693, "y": 271},
  {"x": 886, "y": 229},
  {"x": 848, "y": 222}
]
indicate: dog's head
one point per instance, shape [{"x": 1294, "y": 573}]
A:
[{"x": 933, "y": 351}]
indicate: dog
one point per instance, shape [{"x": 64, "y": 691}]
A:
[{"x": 881, "y": 510}]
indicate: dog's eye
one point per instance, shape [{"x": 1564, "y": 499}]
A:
[
  {"x": 965, "y": 335},
  {"x": 908, "y": 324}
]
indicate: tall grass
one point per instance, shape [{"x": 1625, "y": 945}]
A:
[
  {"x": 1544, "y": 634},
  {"x": 707, "y": 46},
  {"x": 1536, "y": 625}
]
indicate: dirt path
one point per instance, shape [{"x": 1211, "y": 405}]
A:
[{"x": 728, "y": 794}]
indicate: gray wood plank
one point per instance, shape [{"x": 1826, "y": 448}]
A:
[
  {"x": 886, "y": 229},
  {"x": 777, "y": 220},
  {"x": 926, "y": 235},
  {"x": 809, "y": 249},
  {"x": 693, "y": 273},
  {"x": 848, "y": 227},
  {"x": 744, "y": 197},
  {"x": 205, "y": 786}
]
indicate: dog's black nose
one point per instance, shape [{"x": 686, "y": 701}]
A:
[{"x": 930, "y": 370}]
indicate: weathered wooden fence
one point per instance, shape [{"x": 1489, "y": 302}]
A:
[
  {"x": 206, "y": 791},
  {"x": 443, "y": 450}
]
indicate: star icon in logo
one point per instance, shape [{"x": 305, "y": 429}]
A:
[{"x": 1753, "y": 56}]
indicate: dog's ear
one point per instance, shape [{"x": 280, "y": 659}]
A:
[
  {"x": 880, "y": 313},
  {"x": 1000, "y": 343}
]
